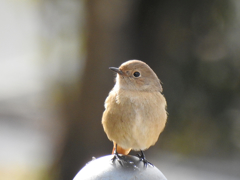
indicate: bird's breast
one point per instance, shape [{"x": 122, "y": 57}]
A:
[{"x": 136, "y": 117}]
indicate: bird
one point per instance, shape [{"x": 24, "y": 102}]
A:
[{"x": 135, "y": 110}]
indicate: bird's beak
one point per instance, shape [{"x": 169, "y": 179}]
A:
[{"x": 117, "y": 70}]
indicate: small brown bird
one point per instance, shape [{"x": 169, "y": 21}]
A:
[{"x": 135, "y": 109}]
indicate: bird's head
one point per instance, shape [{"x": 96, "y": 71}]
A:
[{"x": 136, "y": 75}]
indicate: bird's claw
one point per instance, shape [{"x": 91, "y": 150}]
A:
[
  {"x": 144, "y": 160},
  {"x": 118, "y": 158}
]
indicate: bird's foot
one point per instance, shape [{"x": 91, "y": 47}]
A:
[
  {"x": 117, "y": 157},
  {"x": 144, "y": 160}
]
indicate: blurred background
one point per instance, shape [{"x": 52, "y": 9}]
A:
[{"x": 54, "y": 78}]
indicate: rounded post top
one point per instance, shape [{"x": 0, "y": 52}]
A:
[{"x": 106, "y": 169}]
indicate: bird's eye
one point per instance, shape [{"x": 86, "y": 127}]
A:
[{"x": 136, "y": 74}]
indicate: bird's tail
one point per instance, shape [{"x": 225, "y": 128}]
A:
[{"x": 120, "y": 150}]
